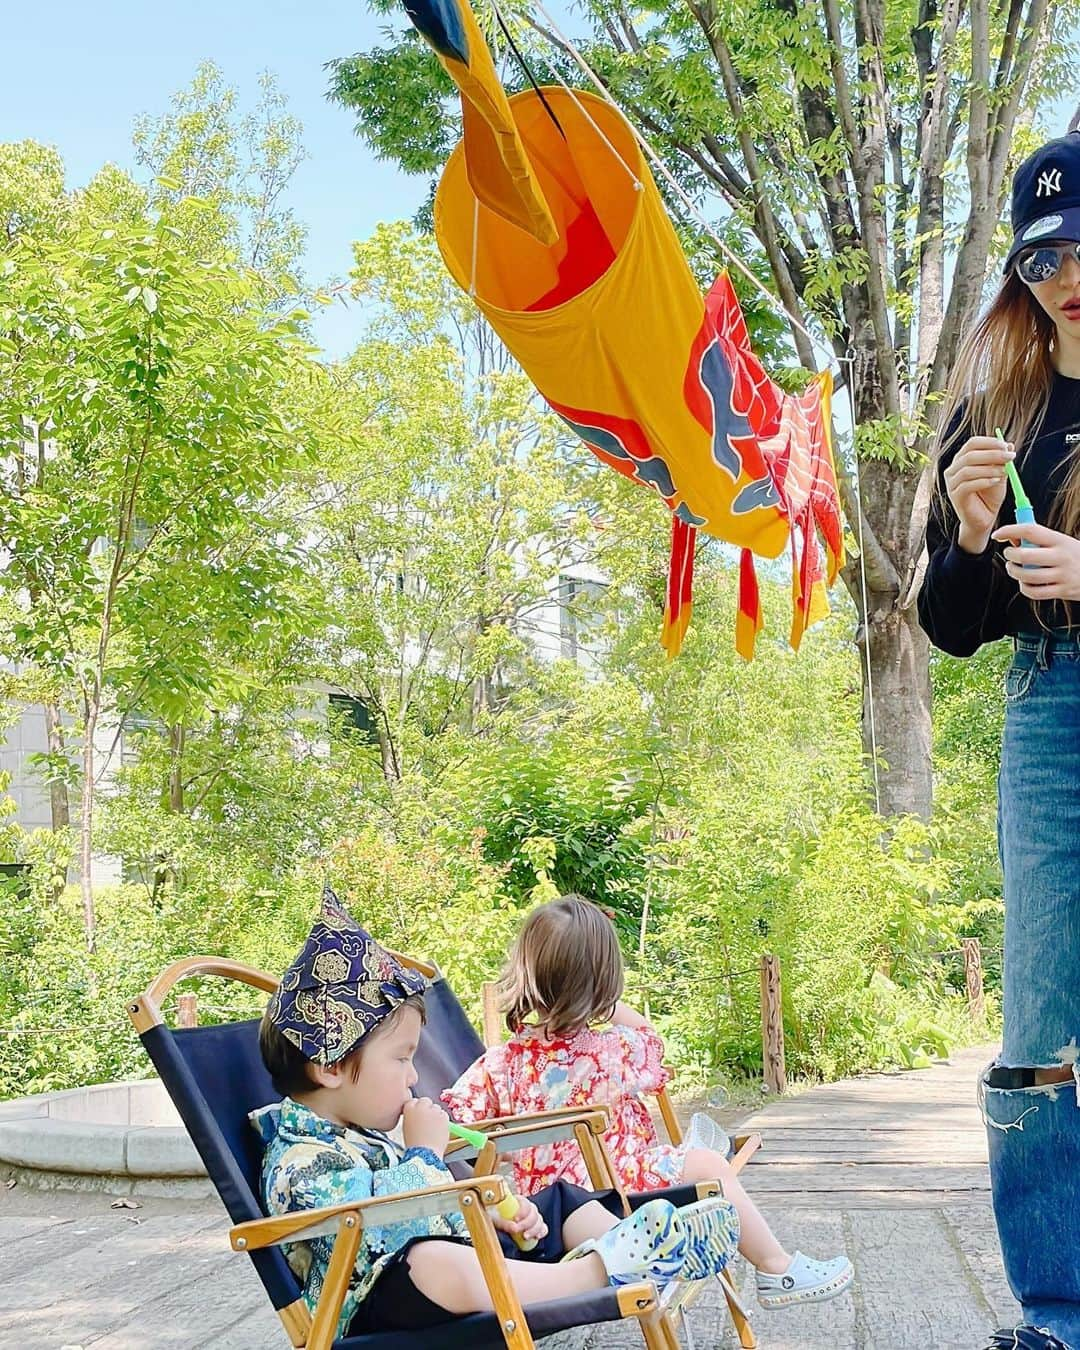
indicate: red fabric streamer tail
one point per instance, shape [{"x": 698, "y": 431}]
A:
[
  {"x": 680, "y": 589},
  {"x": 749, "y": 621}
]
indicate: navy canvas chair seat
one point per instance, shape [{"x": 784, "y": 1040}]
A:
[
  {"x": 481, "y": 1331},
  {"x": 215, "y": 1077}
]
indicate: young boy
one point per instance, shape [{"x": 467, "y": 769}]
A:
[{"x": 338, "y": 1039}]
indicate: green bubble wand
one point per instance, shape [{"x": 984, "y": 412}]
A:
[
  {"x": 1025, "y": 513},
  {"x": 508, "y": 1207}
]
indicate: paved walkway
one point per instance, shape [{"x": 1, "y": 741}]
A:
[{"x": 891, "y": 1168}]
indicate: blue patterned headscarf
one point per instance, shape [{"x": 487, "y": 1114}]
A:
[{"x": 339, "y": 988}]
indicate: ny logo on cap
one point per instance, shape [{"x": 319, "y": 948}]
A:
[{"x": 1049, "y": 183}]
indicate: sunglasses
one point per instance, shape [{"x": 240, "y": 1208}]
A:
[{"x": 1045, "y": 262}]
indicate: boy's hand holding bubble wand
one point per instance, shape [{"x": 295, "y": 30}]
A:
[{"x": 509, "y": 1206}]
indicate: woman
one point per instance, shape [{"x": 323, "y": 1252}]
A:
[{"x": 988, "y": 578}]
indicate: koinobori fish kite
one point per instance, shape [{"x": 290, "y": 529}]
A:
[{"x": 546, "y": 213}]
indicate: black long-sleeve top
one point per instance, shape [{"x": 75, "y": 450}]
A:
[{"x": 966, "y": 598}]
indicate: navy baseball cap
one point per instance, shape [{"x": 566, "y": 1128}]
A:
[{"x": 1046, "y": 196}]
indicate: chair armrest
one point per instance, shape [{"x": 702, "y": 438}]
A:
[
  {"x": 573, "y": 1113},
  {"x": 471, "y": 1197},
  {"x": 745, "y": 1146},
  {"x": 346, "y": 1221},
  {"x": 584, "y": 1126},
  {"x": 305, "y": 1224},
  {"x": 509, "y": 1134}
]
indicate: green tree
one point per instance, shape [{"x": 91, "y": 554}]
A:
[
  {"x": 33, "y": 203},
  {"x": 32, "y": 197},
  {"x": 222, "y": 175},
  {"x": 144, "y": 388},
  {"x": 237, "y": 165},
  {"x": 443, "y": 515},
  {"x": 863, "y": 149}
]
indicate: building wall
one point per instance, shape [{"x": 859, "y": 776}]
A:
[
  {"x": 25, "y": 738},
  {"x": 563, "y": 628}
]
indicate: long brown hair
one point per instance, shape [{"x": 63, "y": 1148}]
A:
[
  {"x": 1003, "y": 372},
  {"x": 1002, "y": 378},
  {"x": 565, "y": 968}
]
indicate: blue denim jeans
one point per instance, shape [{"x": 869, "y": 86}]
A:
[{"x": 1034, "y": 1132}]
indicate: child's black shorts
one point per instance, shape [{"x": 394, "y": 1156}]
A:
[{"x": 395, "y": 1304}]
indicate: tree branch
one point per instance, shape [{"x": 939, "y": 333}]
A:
[
  {"x": 933, "y": 151},
  {"x": 986, "y": 176},
  {"x": 705, "y": 13},
  {"x": 867, "y": 165}
]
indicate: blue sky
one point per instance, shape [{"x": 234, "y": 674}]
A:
[{"x": 76, "y": 75}]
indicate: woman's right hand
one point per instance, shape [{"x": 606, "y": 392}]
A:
[
  {"x": 425, "y": 1125},
  {"x": 975, "y": 484}
]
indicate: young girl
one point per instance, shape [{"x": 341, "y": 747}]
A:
[
  {"x": 988, "y": 578},
  {"x": 566, "y": 971}
]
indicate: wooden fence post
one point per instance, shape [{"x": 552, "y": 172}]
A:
[
  {"x": 187, "y": 1013},
  {"x": 492, "y": 1018},
  {"x": 772, "y": 1025},
  {"x": 973, "y": 978}
]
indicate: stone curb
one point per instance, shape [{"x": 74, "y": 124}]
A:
[{"x": 49, "y": 1133}]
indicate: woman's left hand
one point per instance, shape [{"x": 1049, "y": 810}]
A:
[{"x": 1050, "y": 570}]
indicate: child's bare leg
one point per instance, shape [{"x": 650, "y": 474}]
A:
[
  {"x": 756, "y": 1240},
  {"x": 450, "y": 1276},
  {"x": 592, "y": 1220}
]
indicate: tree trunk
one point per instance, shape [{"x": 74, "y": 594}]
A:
[
  {"x": 59, "y": 800},
  {"x": 59, "y": 805},
  {"x": 897, "y": 727},
  {"x": 176, "y": 769},
  {"x": 481, "y": 700},
  {"x": 899, "y": 670},
  {"x": 86, "y": 826},
  {"x": 388, "y": 754}
]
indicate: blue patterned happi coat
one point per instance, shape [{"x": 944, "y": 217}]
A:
[{"x": 310, "y": 1162}]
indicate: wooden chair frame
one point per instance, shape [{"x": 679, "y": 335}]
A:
[{"x": 471, "y": 1197}]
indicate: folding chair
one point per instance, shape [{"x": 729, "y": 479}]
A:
[
  {"x": 215, "y": 1077},
  {"x": 744, "y": 1146}
]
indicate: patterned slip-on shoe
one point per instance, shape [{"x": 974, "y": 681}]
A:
[
  {"x": 712, "y": 1237},
  {"x": 805, "y": 1281},
  {"x": 649, "y": 1245}
]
